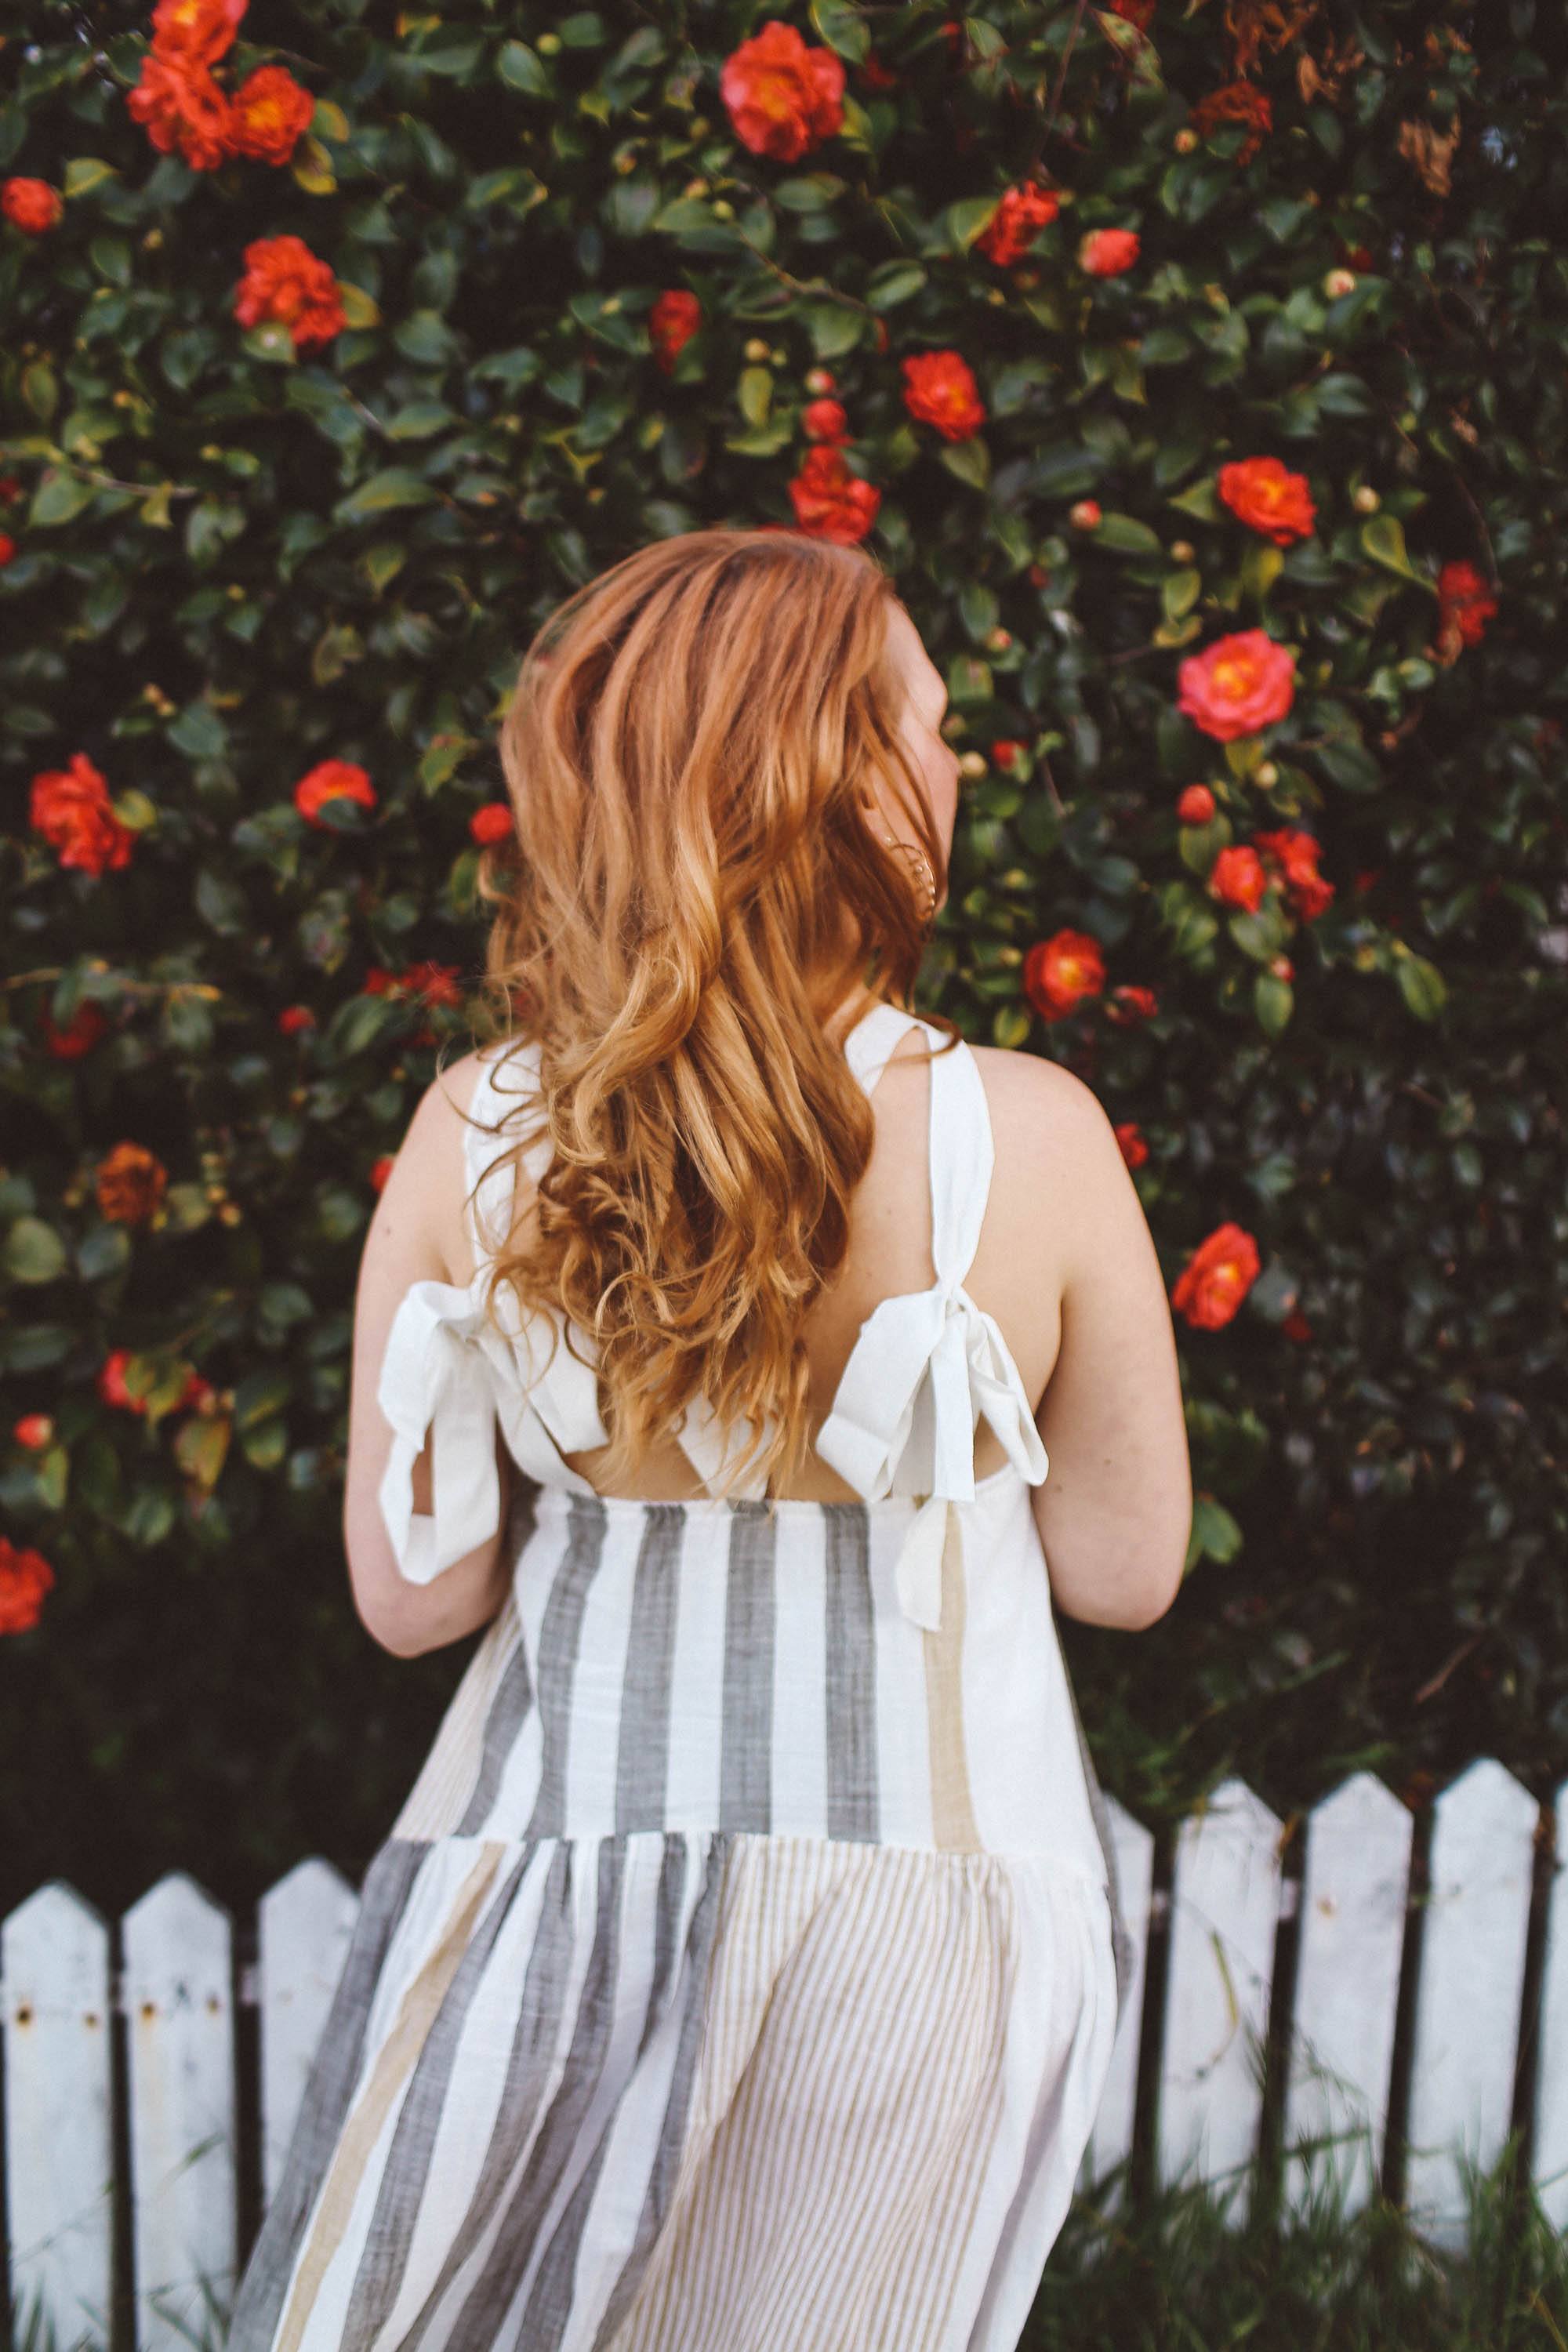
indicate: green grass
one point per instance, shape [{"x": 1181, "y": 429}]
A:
[{"x": 1166, "y": 2275}]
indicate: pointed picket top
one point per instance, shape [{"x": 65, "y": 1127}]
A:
[
  {"x": 1225, "y": 1910},
  {"x": 1111, "y": 2138},
  {"x": 304, "y": 1925},
  {"x": 55, "y": 1958},
  {"x": 1550, "y": 2165},
  {"x": 1354, "y": 1892},
  {"x": 179, "y": 1999},
  {"x": 1469, "y": 1990}
]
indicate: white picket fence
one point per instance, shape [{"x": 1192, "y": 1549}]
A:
[{"x": 176, "y": 1987}]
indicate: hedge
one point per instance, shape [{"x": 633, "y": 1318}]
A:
[{"x": 1199, "y": 374}]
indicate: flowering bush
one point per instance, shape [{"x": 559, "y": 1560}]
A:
[{"x": 1197, "y": 375}]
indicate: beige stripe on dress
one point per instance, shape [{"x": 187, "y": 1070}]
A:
[{"x": 954, "y": 1829}]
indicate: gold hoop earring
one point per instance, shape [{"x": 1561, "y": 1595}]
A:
[{"x": 912, "y": 849}]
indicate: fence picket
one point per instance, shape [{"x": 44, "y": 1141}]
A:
[
  {"x": 1355, "y": 1890},
  {"x": 181, "y": 2070},
  {"x": 1466, "y": 2023},
  {"x": 1111, "y": 2141},
  {"x": 53, "y": 1950},
  {"x": 1225, "y": 1908},
  {"x": 303, "y": 1926},
  {"x": 1550, "y": 2169}
]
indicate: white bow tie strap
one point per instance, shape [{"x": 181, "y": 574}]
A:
[
  {"x": 446, "y": 1375},
  {"x": 927, "y": 1366}
]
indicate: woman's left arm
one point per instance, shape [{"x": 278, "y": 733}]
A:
[{"x": 403, "y": 1246}]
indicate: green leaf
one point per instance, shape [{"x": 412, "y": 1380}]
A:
[
  {"x": 40, "y": 389},
  {"x": 1214, "y": 1533},
  {"x": 522, "y": 69},
  {"x": 272, "y": 342},
  {"x": 1382, "y": 538},
  {"x": 834, "y": 329},
  {"x": 968, "y": 461},
  {"x": 1179, "y": 591},
  {"x": 221, "y": 903},
  {"x": 964, "y": 220},
  {"x": 808, "y": 194},
  {"x": 756, "y": 391},
  {"x": 1126, "y": 535},
  {"x": 1422, "y": 985},
  {"x": 1201, "y": 501},
  {"x": 57, "y": 498},
  {"x": 85, "y": 173},
  {"x": 34, "y": 1251},
  {"x": 1260, "y": 567},
  {"x": 394, "y": 486},
  {"x": 894, "y": 282},
  {"x": 845, "y": 32},
  {"x": 1272, "y": 1002}
]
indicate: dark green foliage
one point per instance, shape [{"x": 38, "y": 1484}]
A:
[{"x": 234, "y": 560}]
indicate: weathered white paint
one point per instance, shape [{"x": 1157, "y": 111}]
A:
[
  {"x": 1111, "y": 2142},
  {"x": 54, "y": 1952},
  {"x": 180, "y": 2040},
  {"x": 1549, "y": 2168},
  {"x": 303, "y": 1926},
  {"x": 1224, "y": 1907},
  {"x": 1355, "y": 1890},
  {"x": 1467, "y": 1994}
]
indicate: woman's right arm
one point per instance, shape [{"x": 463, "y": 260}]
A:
[{"x": 1115, "y": 1510}]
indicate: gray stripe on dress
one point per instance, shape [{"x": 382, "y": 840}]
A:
[
  {"x": 746, "y": 1772},
  {"x": 853, "y": 1797},
  {"x": 383, "y": 1898},
  {"x": 401, "y": 2191},
  {"x": 540, "y": 2007},
  {"x": 549, "y": 2306},
  {"x": 559, "y": 1636},
  {"x": 485, "y": 2308},
  {"x": 642, "y": 1768},
  {"x": 509, "y": 1711},
  {"x": 656, "y": 2203}
]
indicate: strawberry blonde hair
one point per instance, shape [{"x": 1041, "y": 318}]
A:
[{"x": 691, "y": 891}]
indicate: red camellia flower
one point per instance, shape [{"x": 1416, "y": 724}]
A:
[
  {"x": 31, "y": 205},
  {"x": 181, "y": 108},
  {"x": 1060, "y": 972},
  {"x": 8, "y": 547},
  {"x": 294, "y": 1018},
  {"x": 1004, "y": 751},
  {"x": 270, "y": 114},
  {"x": 1239, "y": 102},
  {"x": 332, "y": 780},
  {"x": 286, "y": 281},
  {"x": 940, "y": 389},
  {"x": 34, "y": 1430},
  {"x": 1195, "y": 805},
  {"x": 1239, "y": 684},
  {"x": 874, "y": 75},
  {"x": 1295, "y": 1326},
  {"x": 71, "y": 808},
  {"x": 783, "y": 99},
  {"x": 1236, "y": 877},
  {"x": 1084, "y": 514},
  {"x": 378, "y": 982},
  {"x": 1269, "y": 497},
  {"x": 1130, "y": 1136},
  {"x": 110, "y": 1381},
  {"x": 199, "y": 31},
  {"x": 434, "y": 983},
  {"x": 25, "y": 1577},
  {"x": 1295, "y": 853},
  {"x": 379, "y": 1170},
  {"x": 1129, "y": 1004},
  {"x": 1218, "y": 1278},
  {"x": 1465, "y": 605},
  {"x": 673, "y": 320},
  {"x": 1138, "y": 13},
  {"x": 824, "y": 420},
  {"x": 81, "y": 1034},
  {"x": 198, "y": 1394},
  {"x": 1021, "y": 214},
  {"x": 829, "y": 500},
  {"x": 1107, "y": 252},
  {"x": 492, "y": 822}
]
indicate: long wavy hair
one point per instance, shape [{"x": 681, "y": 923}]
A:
[{"x": 691, "y": 891}]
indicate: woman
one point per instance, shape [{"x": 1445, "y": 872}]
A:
[{"x": 742, "y": 1970}]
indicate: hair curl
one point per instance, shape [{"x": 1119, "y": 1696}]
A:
[{"x": 691, "y": 895}]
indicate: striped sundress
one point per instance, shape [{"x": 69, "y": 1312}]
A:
[{"x": 742, "y": 1972}]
